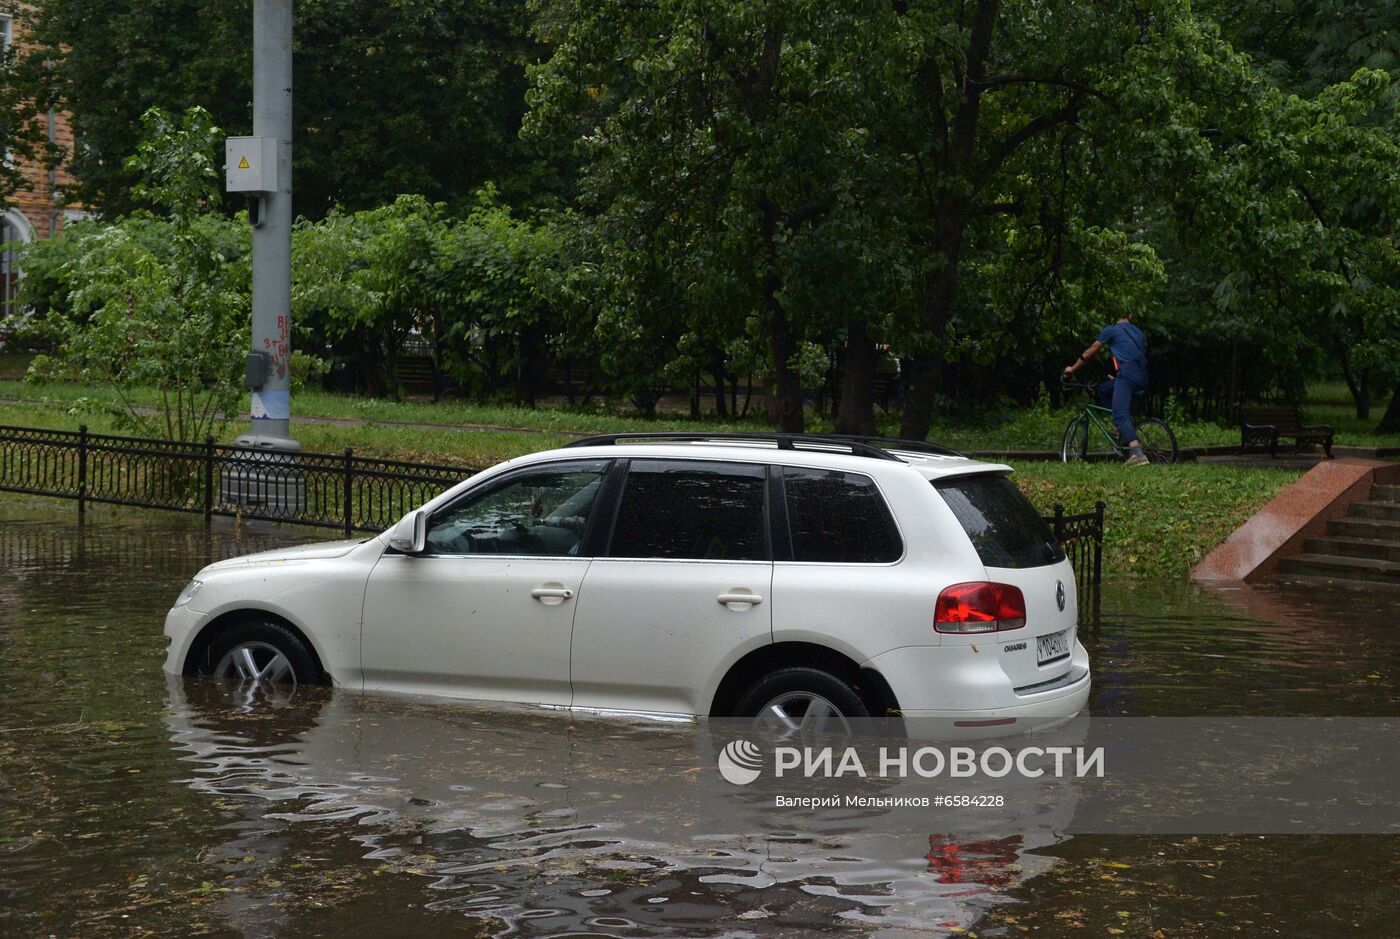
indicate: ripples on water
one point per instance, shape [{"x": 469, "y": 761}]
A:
[{"x": 131, "y": 803}]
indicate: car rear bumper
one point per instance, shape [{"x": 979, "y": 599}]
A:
[{"x": 958, "y": 683}]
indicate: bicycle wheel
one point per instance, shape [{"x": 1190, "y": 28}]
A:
[
  {"x": 1075, "y": 445},
  {"x": 1157, "y": 439}
]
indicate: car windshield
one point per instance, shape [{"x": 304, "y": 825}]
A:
[{"x": 1004, "y": 527}]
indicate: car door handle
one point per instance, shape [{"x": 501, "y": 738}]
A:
[
  {"x": 552, "y": 596},
  {"x": 737, "y": 600}
]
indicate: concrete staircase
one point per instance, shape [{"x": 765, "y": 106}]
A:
[{"x": 1361, "y": 549}]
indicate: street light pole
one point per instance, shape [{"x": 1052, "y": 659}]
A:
[
  {"x": 272, "y": 228},
  {"x": 269, "y": 483}
]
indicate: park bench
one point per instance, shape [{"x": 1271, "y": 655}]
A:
[
  {"x": 886, "y": 388},
  {"x": 1264, "y": 424}
]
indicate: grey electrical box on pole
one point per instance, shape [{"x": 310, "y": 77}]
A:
[
  {"x": 260, "y": 166},
  {"x": 251, "y": 164}
]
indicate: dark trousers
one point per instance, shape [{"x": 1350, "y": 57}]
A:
[{"x": 1117, "y": 395}]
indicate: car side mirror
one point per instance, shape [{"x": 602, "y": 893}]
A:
[{"x": 410, "y": 535}]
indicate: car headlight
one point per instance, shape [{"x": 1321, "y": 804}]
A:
[{"x": 188, "y": 593}]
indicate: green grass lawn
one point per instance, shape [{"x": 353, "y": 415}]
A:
[
  {"x": 356, "y": 407},
  {"x": 1161, "y": 519},
  {"x": 1038, "y": 428}
]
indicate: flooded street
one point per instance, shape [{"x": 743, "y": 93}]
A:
[{"x": 133, "y": 804}]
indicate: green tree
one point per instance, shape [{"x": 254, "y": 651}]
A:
[
  {"x": 363, "y": 283},
  {"x": 390, "y": 98},
  {"x": 1004, "y": 116},
  {"x": 479, "y": 290},
  {"x": 719, "y": 144},
  {"x": 22, "y": 131},
  {"x": 1330, "y": 60},
  {"x": 499, "y": 289},
  {"x": 158, "y": 299}
]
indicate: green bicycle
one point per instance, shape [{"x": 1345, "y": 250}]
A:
[{"x": 1082, "y": 443}]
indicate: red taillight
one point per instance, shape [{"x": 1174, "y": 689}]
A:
[{"x": 979, "y": 607}]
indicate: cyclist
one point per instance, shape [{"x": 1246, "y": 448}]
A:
[{"x": 1128, "y": 347}]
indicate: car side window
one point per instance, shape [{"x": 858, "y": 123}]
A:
[
  {"x": 692, "y": 509},
  {"x": 839, "y": 518},
  {"x": 540, "y": 512}
]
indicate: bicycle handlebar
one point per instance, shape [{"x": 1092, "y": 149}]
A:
[{"x": 1078, "y": 386}]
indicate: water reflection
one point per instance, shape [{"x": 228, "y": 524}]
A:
[
  {"x": 547, "y": 824},
  {"x": 1175, "y": 649}
]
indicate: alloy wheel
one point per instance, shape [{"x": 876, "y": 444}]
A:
[
  {"x": 256, "y": 662},
  {"x": 801, "y": 713}
]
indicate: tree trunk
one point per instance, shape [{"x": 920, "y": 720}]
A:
[
  {"x": 1232, "y": 392},
  {"x": 856, "y": 412},
  {"x": 1390, "y": 420},
  {"x": 831, "y": 380},
  {"x": 787, "y": 383},
  {"x": 525, "y": 370},
  {"x": 918, "y": 402},
  {"x": 721, "y": 407},
  {"x": 937, "y": 310},
  {"x": 1359, "y": 386},
  {"x": 786, "y": 406}
]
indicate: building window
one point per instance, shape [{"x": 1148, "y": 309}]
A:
[
  {"x": 8, "y": 280},
  {"x": 13, "y": 227},
  {"x": 7, "y": 30},
  {"x": 13, "y": 230}
]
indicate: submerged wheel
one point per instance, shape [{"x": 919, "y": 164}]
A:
[
  {"x": 802, "y": 701},
  {"x": 261, "y": 652},
  {"x": 1157, "y": 439},
  {"x": 1076, "y": 441}
]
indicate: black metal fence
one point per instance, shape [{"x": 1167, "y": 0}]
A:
[
  {"x": 341, "y": 491},
  {"x": 1082, "y": 538}
]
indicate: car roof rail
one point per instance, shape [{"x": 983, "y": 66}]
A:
[
  {"x": 899, "y": 443},
  {"x": 858, "y": 447}
]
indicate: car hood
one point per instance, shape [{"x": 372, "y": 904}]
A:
[{"x": 310, "y": 552}]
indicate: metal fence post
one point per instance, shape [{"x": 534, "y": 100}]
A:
[
  {"x": 82, "y": 472},
  {"x": 1098, "y": 563},
  {"x": 1098, "y": 542},
  {"x": 208, "y": 481},
  {"x": 349, "y": 507}
]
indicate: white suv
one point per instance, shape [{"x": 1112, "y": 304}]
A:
[{"x": 793, "y": 578}]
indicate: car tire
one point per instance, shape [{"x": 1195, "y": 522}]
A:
[
  {"x": 786, "y": 689},
  {"x": 263, "y": 640}
]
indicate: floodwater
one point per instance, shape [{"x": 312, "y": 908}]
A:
[{"x": 133, "y": 804}]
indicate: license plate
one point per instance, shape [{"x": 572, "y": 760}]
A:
[{"x": 1052, "y": 647}]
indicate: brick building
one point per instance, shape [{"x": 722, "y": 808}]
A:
[{"x": 35, "y": 210}]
